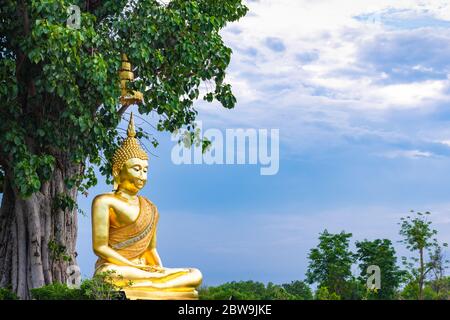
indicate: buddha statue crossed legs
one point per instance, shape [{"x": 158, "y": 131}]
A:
[{"x": 124, "y": 233}]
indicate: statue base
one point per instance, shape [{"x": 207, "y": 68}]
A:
[{"x": 151, "y": 294}]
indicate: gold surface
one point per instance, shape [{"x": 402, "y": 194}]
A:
[
  {"x": 128, "y": 222},
  {"x": 126, "y": 66},
  {"x": 125, "y": 74}
]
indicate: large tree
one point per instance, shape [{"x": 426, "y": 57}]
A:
[
  {"x": 60, "y": 109},
  {"x": 330, "y": 263},
  {"x": 381, "y": 253},
  {"x": 420, "y": 238}
]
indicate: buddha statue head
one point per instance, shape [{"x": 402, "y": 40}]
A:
[{"x": 130, "y": 163}]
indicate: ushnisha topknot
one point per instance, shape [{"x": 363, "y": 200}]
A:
[{"x": 129, "y": 149}]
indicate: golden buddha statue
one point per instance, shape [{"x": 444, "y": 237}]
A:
[{"x": 124, "y": 233}]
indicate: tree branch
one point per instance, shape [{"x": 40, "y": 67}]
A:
[{"x": 122, "y": 110}]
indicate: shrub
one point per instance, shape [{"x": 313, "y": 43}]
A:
[
  {"x": 100, "y": 287},
  {"x": 324, "y": 294},
  {"x": 7, "y": 294},
  {"x": 57, "y": 291}
]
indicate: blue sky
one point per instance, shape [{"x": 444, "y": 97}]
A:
[{"x": 360, "y": 91}]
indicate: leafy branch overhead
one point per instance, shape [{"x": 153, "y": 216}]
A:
[{"x": 60, "y": 88}]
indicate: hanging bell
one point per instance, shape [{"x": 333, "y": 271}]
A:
[{"x": 127, "y": 75}]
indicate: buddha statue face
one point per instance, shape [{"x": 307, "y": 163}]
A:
[
  {"x": 133, "y": 175},
  {"x": 130, "y": 163}
]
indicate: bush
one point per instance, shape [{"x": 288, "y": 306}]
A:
[
  {"x": 100, "y": 287},
  {"x": 410, "y": 291},
  {"x": 57, "y": 291},
  {"x": 242, "y": 290},
  {"x": 7, "y": 294},
  {"x": 324, "y": 294}
]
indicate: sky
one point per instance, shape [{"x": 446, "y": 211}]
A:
[{"x": 359, "y": 91}]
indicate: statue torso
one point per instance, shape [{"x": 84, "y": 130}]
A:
[
  {"x": 122, "y": 212},
  {"x": 132, "y": 225}
]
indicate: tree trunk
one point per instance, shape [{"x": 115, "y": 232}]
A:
[
  {"x": 37, "y": 234},
  {"x": 421, "y": 274}
]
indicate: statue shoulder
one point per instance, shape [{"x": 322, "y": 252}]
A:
[
  {"x": 103, "y": 198},
  {"x": 149, "y": 202}
]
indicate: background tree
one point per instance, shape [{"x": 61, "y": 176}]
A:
[
  {"x": 381, "y": 253},
  {"x": 60, "y": 109},
  {"x": 322, "y": 293},
  {"x": 277, "y": 292},
  {"x": 251, "y": 290},
  {"x": 330, "y": 263},
  {"x": 439, "y": 283},
  {"x": 419, "y": 238},
  {"x": 299, "y": 289},
  {"x": 430, "y": 292}
]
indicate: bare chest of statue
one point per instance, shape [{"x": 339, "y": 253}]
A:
[{"x": 122, "y": 213}]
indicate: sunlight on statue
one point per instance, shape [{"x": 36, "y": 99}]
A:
[{"x": 124, "y": 233}]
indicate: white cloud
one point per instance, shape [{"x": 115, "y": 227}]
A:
[
  {"x": 411, "y": 154},
  {"x": 329, "y": 29},
  {"x": 445, "y": 142},
  {"x": 411, "y": 94}
]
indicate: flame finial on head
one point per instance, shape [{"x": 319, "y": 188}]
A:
[
  {"x": 131, "y": 131},
  {"x": 129, "y": 149}
]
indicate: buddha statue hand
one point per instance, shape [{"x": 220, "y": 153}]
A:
[{"x": 149, "y": 268}]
